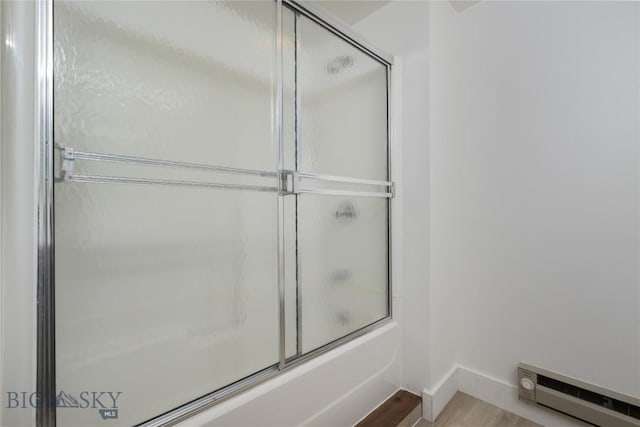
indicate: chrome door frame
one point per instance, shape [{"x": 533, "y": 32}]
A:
[{"x": 46, "y": 367}]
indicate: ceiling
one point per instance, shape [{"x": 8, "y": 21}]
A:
[
  {"x": 400, "y": 27},
  {"x": 350, "y": 11}
]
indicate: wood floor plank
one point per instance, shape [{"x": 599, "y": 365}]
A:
[
  {"x": 392, "y": 411},
  {"x": 466, "y": 411}
]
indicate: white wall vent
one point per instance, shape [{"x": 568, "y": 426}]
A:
[{"x": 577, "y": 399}]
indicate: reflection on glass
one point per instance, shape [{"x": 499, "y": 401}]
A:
[
  {"x": 343, "y": 265},
  {"x": 344, "y": 106}
]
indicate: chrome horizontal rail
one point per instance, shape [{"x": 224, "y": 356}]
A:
[
  {"x": 70, "y": 155},
  {"x": 166, "y": 182},
  {"x": 101, "y": 179},
  {"x": 349, "y": 180},
  {"x": 345, "y": 193},
  {"x": 117, "y": 158},
  {"x": 342, "y": 30}
]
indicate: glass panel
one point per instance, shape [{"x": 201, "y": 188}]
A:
[
  {"x": 289, "y": 87},
  {"x": 185, "y": 81},
  {"x": 343, "y": 118},
  {"x": 162, "y": 294},
  {"x": 291, "y": 292},
  {"x": 343, "y": 265}
]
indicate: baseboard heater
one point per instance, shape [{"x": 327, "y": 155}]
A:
[{"x": 578, "y": 399}]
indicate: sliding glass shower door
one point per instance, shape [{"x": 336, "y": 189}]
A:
[
  {"x": 166, "y": 290},
  {"x": 342, "y": 161},
  {"x": 221, "y": 200}
]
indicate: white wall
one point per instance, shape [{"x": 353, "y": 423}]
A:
[
  {"x": 534, "y": 189},
  {"x": 415, "y": 220}
]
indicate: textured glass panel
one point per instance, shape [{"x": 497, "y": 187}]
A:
[
  {"x": 289, "y": 87},
  {"x": 163, "y": 294},
  {"x": 343, "y": 265},
  {"x": 291, "y": 293},
  {"x": 184, "y": 81},
  {"x": 343, "y": 117}
]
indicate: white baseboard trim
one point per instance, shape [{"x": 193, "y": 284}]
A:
[
  {"x": 434, "y": 400},
  {"x": 490, "y": 390}
]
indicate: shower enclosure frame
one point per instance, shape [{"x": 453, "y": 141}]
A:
[{"x": 45, "y": 363}]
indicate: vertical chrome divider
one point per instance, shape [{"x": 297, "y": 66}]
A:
[
  {"x": 298, "y": 92},
  {"x": 390, "y": 202},
  {"x": 298, "y": 134},
  {"x": 279, "y": 134},
  {"x": 46, "y": 381}
]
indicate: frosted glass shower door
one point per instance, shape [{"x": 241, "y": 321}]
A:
[
  {"x": 166, "y": 269},
  {"x": 343, "y": 211},
  {"x": 221, "y": 203}
]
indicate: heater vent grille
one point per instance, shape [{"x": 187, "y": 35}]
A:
[
  {"x": 578, "y": 399},
  {"x": 590, "y": 396}
]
